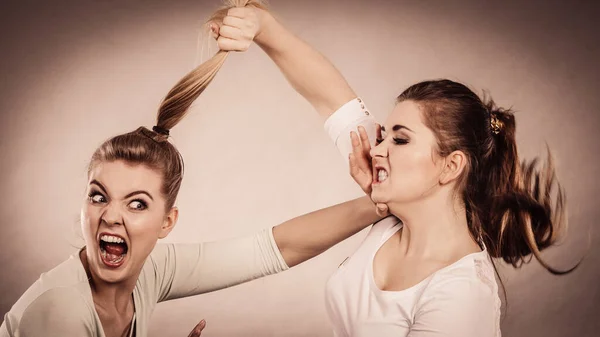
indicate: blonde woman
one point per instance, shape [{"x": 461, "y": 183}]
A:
[
  {"x": 111, "y": 286},
  {"x": 447, "y": 168}
]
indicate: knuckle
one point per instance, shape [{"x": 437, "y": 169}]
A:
[
  {"x": 225, "y": 31},
  {"x": 223, "y": 43}
]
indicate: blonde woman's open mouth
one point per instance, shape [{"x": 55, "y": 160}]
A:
[{"x": 113, "y": 249}]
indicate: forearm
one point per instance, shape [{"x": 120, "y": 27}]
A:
[
  {"x": 307, "y": 70},
  {"x": 306, "y": 236},
  {"x": 193, "y": 269}
]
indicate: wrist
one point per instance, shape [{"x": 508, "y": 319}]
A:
[
  {"x": 267, "y": 23},
  {"x": 369, "y": 208}
]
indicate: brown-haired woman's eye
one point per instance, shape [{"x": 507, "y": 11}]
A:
[{"x": 400, "y": 141}]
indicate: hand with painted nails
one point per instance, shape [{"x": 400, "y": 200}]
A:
[
  {"x": 197, "y": 331},
  {"x": 238, "y": 29},
  {"x": 361, "y": 167}
]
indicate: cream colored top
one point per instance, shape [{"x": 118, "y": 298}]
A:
[
  {"x": 60, "y": 302},
  {"x": 460, "y": 300}
]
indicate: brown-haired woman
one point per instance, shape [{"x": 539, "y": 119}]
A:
[
  {"x": 447, "y": 168},
  {"x": 112, "y": 285}
]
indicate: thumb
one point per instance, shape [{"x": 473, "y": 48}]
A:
[
  {"x": 382, "y": 209},
  {"x": 214, "y": 30}
]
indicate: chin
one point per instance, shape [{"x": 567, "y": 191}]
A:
[{"x": 378, "y": 196}]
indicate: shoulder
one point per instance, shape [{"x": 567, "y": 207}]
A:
[
  {"x": 158, "y": 264},
  {"x": 69, "y": 273},
  {"x": 57, "y": 311},
  {"x": 457, "y": 302},
  {"x": 160, "y": 253},
  {"x": 468, "y": 284},
  {"x": 473, "y": 273}
]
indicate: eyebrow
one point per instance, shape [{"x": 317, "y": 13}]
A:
[
  {"x": 397, "y": 127},
  {"x": 96, "y": 182}
]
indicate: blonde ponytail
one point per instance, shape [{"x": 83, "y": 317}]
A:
[
  {"x": 179, "y": 99},
  {"x": 150, "y": 147}
]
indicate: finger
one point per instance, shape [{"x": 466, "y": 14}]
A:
[
  {"x": 231, "y": 32},
  {"x": 358, "y": 152},
  {"x": 238, "y": 12},
  {"x": 378, "y": 131},
  {"x": 247, "y": 26},
  {"x": 362, "y": 158},
  {"x": 354, "y": 170},
  {"x": 381, "y": 209},
  {"x": 234, "y": 21},
  {"x": 360, "y": 177},
  {"x": 355, "y": 141},
  {"x": 214, "y": 30},
  {"x": 366, "y": 148},
  {"x": 198, "y": 329},
  {"x": 227, "y": 44},
  {"x": 364, "y": 139}
]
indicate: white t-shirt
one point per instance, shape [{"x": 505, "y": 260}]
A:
[{"x": 458, "y": 300}]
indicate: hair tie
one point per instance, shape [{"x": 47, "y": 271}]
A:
[{"x": 160, "y": 130}]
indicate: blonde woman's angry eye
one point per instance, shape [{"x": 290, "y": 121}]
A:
[
  {"x": 96, "y": 197},
  {"x": 138, "y": 205}
]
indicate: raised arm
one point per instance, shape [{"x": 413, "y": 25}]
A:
[{"x": 307, "y": 70}]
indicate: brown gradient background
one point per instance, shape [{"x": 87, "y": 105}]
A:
[{"x": 77, "y": 72}]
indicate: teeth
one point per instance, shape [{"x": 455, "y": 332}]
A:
[
  {"x": 381, "y": 175},
  {"x": 111, "y": 239}
]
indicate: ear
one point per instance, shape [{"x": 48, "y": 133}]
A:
[
  {"x": 454, "y": 165},
  {"x": 169, "y": 222}
]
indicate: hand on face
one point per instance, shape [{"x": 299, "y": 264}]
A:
[
  {"x": 361, "y": 167},
  {"x": 238, "y": 30},
  {"x": 197, "y": 331}
]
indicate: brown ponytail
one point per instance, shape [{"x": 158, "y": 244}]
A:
[
  {"x": 509, "y": 204},
  {"x": 150, "y": 147},
  {"x": 523, "y": 219}
]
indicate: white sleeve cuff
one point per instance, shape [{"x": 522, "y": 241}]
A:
[
  {"x": 347, "y": 118},
  {"x": 274, "y": 261}
]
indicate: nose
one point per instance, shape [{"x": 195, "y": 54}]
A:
[
  {"x": 112, "y": 215},
  {"x": 379, "y": 150}
]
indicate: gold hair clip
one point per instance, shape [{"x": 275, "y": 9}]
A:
[{"x": 496, "y": 124}]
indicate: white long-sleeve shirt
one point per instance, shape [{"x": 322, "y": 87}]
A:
[
  {"x": 60, "y": 302},
  {"x": 460, "y": 300}
]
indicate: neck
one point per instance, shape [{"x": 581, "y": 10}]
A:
[
  {"x": 434, "y": 227},
  {"x": 110, "y": 297}
]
